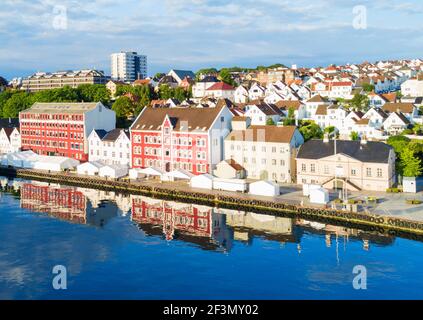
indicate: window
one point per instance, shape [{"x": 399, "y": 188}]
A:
[
  {"x": 263, "y": 161},
  {"x": 313, "y": 167},
  {"x": 353, "y": 172},
  {"x": 379, "y": 172},
  {"x": 273, "y": 149},
  {"x": 303, "y": 167},
  {"x": 369, "y": 172},
  {"x": 326, "y": 169},
  {"x": 273, "y": 162}
]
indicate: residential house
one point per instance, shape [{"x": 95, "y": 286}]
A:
[
  {"x": 312, "y": 104},
  {"x": 265, "y": 152},
  {"x": 112, "y": 148},
  {"x": 396, "y": 123},
  {"x": 353, "y": 165},
  {"x": 409, "y": 110},
  {"x": 10, "y": 140},
  {"x": 221, "y": 90},
  {"x": 180, "y": 75},
  {"x": 260, "y": 113},
  {"x": 256, "y": 92},
  {"x": 241, "y": 94},
  {"x": 412, "y": 88},
  {"x": 180, "y": 138},
  {"x": 200, "y": 87}
]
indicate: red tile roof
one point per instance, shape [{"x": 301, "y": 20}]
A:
[{"x": 221, "y": 86}]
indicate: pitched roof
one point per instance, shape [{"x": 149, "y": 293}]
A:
[
  {"x": 101, "y": 133},
  {"x": 322, "y": 110},
  {"x": 372, "y": 151},
  {"x": 288, "y": 104},
  {"x": 209, "y": 79},
  {"x": 184, "y": 73},
  {"x": 197, "y": 119},
  {"x": 317, "y": 98},
  {"x": 264, "y": 133},
  {"x": 221, "y": 86},
  {"x": 235, "y": 164},
  {"x": 400, "y": 106},
  {"x": 114, "y": 134}
]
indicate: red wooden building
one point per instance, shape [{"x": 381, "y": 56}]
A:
[
  {"x": 180, "y": 138},
  {"x": 62, "y": 129}
]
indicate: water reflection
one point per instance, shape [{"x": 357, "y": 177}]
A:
[{"x": 208, "y": 228}]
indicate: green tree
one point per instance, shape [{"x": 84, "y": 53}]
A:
[
  {"x": 16, "y": 103},
  {"x": 410, "y": 164},
  {"x": 367, "y": 87},
  {"x": 399, "y": 143},
  {"x": 290, "y": 118},
  {"x": 123, "y": 107},
  {"x": 165, "y": 92},
  {"x": 354, "y": 136},
  {"x": 311, "y": 131},
  {"x": 359, "y": 101},
  {"x": 93, "y": 93},
  {"x": 225, "y": 76},
  {"x": 270, "y": 122}
]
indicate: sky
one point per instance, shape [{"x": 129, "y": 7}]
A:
[{"x": 50, "y": 35}]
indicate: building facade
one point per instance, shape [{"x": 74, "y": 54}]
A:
[
  {"x": 356, "y": 165},
  {"x": 113, "y": 147},
  {"x": 128, "y": 66},
  {"x": 10, "y": 140},
  {"x": 45, "y": 81},
  {"x": 265, "y": 152},
  {"x": 62, "y": 129},
  {"x": 180, "y": 138}
]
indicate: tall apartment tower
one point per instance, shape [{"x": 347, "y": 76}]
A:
[{"x": 128, "y": 66}]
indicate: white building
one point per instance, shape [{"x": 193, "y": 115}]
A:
[
  {"x": 128, "y": 66},
  {"x": 412, "y": 88},
  {"x": 10, "y": 140},
  {"x": 259, "y": 114},
  {"x": 241, "y": 94},
  {"x": 113, "y": 147},
  {"x": 200, "y": 87},
  {"x": 265, "y": 152}
]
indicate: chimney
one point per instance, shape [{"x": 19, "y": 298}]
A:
[{"x": 326, "y": 138}]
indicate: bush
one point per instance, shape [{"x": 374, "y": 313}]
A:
[{"x": 393, "y": 190}]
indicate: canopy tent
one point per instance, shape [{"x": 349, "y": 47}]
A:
[
  {"x": 53, "y": 163},
  {"x": 89, "y": 168},
  {"x": 151, "y": 171},
  {"x": 204, "y": 181},
  {"x": 177, "y": 174},
  {"x": 264, "y": 188},
  {"x": 113, "y": 171},
  {"x": 19, "y": 159}
]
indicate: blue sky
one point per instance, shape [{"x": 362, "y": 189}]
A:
[{"x": 191, "y": 34}]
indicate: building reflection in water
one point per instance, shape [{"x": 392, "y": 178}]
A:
[
  {"x": 196, "y": 224},
  {"x": 206, "y": 227}
]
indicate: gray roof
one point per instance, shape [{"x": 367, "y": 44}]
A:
[
  {"x": 9, "y": 123},
  {"x": 61, "y": 107},
  {"x": 372, "y": 151},
  {"x": 114, "y": 134},
  {"x": 184, "y": 73}
]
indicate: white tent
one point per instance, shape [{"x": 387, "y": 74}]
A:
[
  {"x": 204, "y": 181},
  {"x": 151, "y": 171},
  {"x": 135, "y": 173},
  {"x": 89, "y": 168},
  {"x": 19, "y": 159},
  {"x": 113, "y": 171},
  {"x": 53, "y": 163},
  {"x": 264, "y": 188},
  {"x": 177, "y": 174},
  {"x": 319, "y": 196}
]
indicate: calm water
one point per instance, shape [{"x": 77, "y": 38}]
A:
[{"x": 140, "y": 248}]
